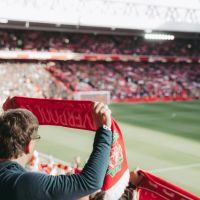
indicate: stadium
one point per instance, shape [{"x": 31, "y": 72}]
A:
[{"x": 142, "y": 58}]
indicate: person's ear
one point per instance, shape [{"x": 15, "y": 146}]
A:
[{"x": 28, "y": 148}]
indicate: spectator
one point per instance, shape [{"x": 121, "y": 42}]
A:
[{"x": 18, "y": 133}]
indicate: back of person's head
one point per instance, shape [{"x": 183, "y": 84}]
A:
[
  {"x": 128, "y": 194},
  {"x": 17, "y": 128}
]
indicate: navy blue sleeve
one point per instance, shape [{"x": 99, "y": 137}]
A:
[{"x": 37, "y": 186}]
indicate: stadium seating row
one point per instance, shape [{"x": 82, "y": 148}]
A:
[{"x": 91, "y": 43}]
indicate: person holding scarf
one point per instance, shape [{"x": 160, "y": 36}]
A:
[{"x": 18, "y": 135}]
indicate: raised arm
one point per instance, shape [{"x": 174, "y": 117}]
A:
[{"x": 71, "y": 187}]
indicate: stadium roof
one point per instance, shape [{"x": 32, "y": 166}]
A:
[
  {"x": 160, "y": 15},
  {"x": 170, "y": 3}
]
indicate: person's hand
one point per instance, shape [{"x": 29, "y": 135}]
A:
[
  {"x": 102, "y": 115},
  {"x": 135, "y": 178},
  {"x": 8, "y": 104}
]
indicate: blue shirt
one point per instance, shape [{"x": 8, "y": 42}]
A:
[{"x": 18, "y": 184}]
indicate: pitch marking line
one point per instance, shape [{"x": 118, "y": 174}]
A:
[{"x": 175, "y": 168}]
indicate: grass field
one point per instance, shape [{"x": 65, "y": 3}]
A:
[{"x": 163, "y": 138}]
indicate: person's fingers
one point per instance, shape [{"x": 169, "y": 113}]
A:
[
  {"x": 99, "y": 107},
  {"x": 95, "y": 105},
  {"x": 102, "y": 111},
  {"x": 106, "y": 114},
  {"x": 106, "y": 111},
  {"x": 102, "y": 114}
]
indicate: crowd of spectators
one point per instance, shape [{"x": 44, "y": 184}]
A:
[
  {"x": 130, "y": 80},
  {"x": 124, "y": 80},
  {"x": 28, "y": 79},
  {"x": 95, "y": 43}
]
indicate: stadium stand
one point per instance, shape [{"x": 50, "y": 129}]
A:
[
  {"x": 28, "y": 79},
  {"x": 131, "y": 80},
  {"x": 91, "y": 43},
  {"x": 127, "y": 81}
]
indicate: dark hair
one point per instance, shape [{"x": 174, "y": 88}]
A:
[
  {"x": 128, "y": 194},
  {"x": 97, "y": 195},
  {"x": 17, "y": 127}
]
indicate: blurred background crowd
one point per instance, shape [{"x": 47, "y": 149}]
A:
[
  {"x": 95, "y": 43},
  {"x": 124, "y": 80}
]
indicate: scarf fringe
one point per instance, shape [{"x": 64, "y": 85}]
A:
[{"x": 118, "y": 188}]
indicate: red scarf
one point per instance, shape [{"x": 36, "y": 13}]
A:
[
  {"x": 78, "y": 114},
  {"x": 155, "y": 188}
]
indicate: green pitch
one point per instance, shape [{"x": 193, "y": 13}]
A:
[{"x": 163, "y": 138}]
